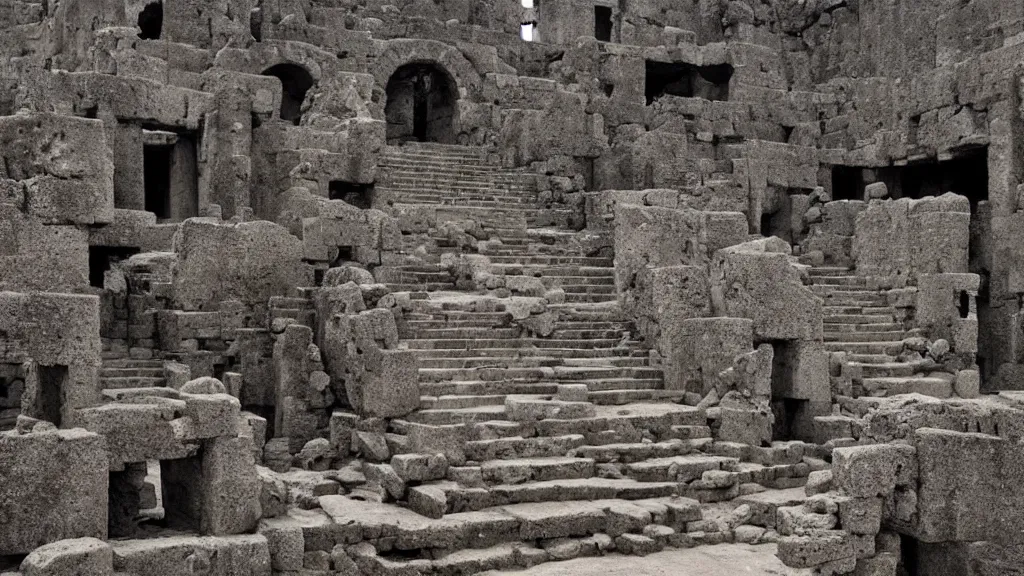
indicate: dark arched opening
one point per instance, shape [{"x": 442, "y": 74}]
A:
[
  {"x": 295, "y": 82},
  {"x": 151, "y": 21},
  {"x": 421, "y": 99}
]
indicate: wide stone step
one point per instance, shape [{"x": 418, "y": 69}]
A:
[
  {"x": 132, "y": 363},
  {"x": 121, "y": 382},
  {"x": 885, "y": 370},
  {"x": 845, "y": 319},
  {"x": 684, "y": 468},
  {"x": 590, "y": 297},
  {"x": 629, "y": 396},
  {"x": 466, "y": 344},
  {"x": 458, "y": 416},
  {"x": 889, "y": 336},
  {"x": 523, "y": 522},
  {"x": 557, "y": 355},
  {"x": 870, "y": 358},
  {"x": 131, "y": 372},
  {"x": 602, "y": 272},
  {"x": 863, "y": 327},
  {"x": 838, "y": 280},
  {"x": 545, "y": 260},
  {"x": 829, "y": 271},
  {"x": 589, "y": 489},
  {"x": 891, "y": 348},
  {"x": 636, "y": 451},
  {"x": 517, "y": 447},
  {"x": 519, "y": 470},
  {"x": 450, "y": 402},
  {"x": 928, "y": 386}
]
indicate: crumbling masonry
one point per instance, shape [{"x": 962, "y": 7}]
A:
[{"x": 445, "y": 287}]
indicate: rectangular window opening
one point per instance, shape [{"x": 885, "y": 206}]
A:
[{"x": 603, "y": 23}]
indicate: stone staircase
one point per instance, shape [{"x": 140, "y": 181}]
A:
[
  {"x": 860, "y": 323},
  {"x": 119, "y": 373},
  {"x": 473, "y": 355}
]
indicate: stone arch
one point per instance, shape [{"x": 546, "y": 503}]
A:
[
  {"x": 422, "y": 100},
  {"x": 458, "y": 73},
  {"x": 296, "y": 81}
]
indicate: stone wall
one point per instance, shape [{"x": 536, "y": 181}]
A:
[{"x": 896, "y": 241}]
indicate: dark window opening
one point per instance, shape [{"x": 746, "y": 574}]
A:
[
  {"x": 51, "y": 393},
  {"x": 964, "y": 305},
  {"x": 686, "y": 80},
  {"x": 345, "y": 254},
  {"x": 156, "y": 171},
  {"x": 603, "y": 23},
  {"x": 318, "y": 277},
  {"x": 256, "y": 24},
  {"x": 151, "y": 21},
  {"x": 12, "y": 387},
  {"x": 102, "y": 258},
  {"x": 170, "y": 167},
  {"x": 358, "y": 195},
  {"x": 295, "y": 83},
  {"x": 847, "y": 183},
  {"x": 421, "y": 104}
]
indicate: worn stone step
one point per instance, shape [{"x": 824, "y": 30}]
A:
[
  {"x": 588, "y": 489},
  {"x": 635, "y": 451},
  {"x": 631, "y": 395},
  {"x": 928, "y": 386},
  {"x": 684, "y": 468},
  {"x": 523, "y": 522},
  {"x": 870, "y": 358},
  {"x": 886, "y": 369},
  {"x": 132, "y": 363},
  {"x": 129, "y": 372},
  {"x": 848, "y": 319},
  {"x": 891, "y": 348},
  {"x": 836, "y": 280},
  {"x": 519, "y": 470},
  {"x": 449, "y": 402},
  {"x": 856, "y": 328},
  {"x": 517, "y": 447},
  {"x": 121, "y": 382},
  {"x": 620, "y": 355},
  {"x": 464, "y": 343},
  {"x": 888, "y": 336},
  {"x": 459, "y": 416}
]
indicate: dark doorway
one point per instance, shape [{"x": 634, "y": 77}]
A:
[
  {"x": 101, "y": 258},
  {"x": 156, "y": 170},
  {"x": 151, "y": 21},
  {"x": 420, "y": 107},
  {"x": 686, "y": 80},
  {"x": 358, "y": 195},
  {"x": 603, "y": 23},
  {"x": 170, "y": 166},
  {"x": 295, "y": 82},
  {"x": 50, "y": 398}
]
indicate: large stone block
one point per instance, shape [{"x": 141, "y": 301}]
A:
[
  {"x": 701, "y": 348},
  {"x": 54, "y": 487},
  {"x": 64, "y": 165},
  {"x": 756, "y": 280},
  {"x": 246, "y": 555}
]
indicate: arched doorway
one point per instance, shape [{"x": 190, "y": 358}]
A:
[
  {"x": 421, "y": 98},
  {"x": 295, "y": 82}
]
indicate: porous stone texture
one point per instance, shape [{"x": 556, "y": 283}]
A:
[
  {"x": 55, "y": 487},
  {"x": 449, "y": 287}
]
